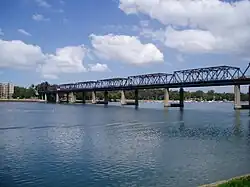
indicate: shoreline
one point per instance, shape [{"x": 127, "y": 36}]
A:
[{"x": 22, "y": 100}]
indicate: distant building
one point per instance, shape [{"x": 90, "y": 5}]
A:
[{"x": 6, "y": 90}]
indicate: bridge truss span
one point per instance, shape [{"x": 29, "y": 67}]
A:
[
  {"x": 149, "y": 79},
  {"x": 77, "y": 86},
  {"x": 208, "y": 76},
  {"x": 218, "y": 73},
  {"x": 111, "y": 83}
]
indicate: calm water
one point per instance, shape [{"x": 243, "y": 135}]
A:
[{"x": 48, "y": 145}]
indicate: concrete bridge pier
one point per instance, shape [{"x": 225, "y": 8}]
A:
[
  {"x": 237, "y": 102},
  {"x": 67, "y": 97},
  {"x": 249, "y": 95},
  {"x": 45, "y": 97},
  {"x": 166, "y": 97},
  {"x": 136, "y": 98},
  {"x": 93, "y": 97},
  {"x": 181, "y": 98},
  {"x": 123, "y": 98},
  {"x": 106, "y": 97},
  {"x": 83, "y": 98},
  {"x": 72, "y": 97},
  {"x": 57, "y": 98}
]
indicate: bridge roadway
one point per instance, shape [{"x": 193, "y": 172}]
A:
[{"x": 199, "y": 77}]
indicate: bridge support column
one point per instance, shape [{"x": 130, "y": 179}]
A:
[
  {"x": 45, "y": 97},
  {"x": 249, "y": 95},
  {"x": 93, "y": 97},
  {"x": 166, "y": 98},
  {"x": 67, "y": 97},
  {"x": 237, "y": 102},
  {"x": 57, "y": 98},
  {"x": 106, "y": 97},
  {"x": 72, "y": 97},
  {"x": 181, "y": 97},
  {"x": 83, "y": 98},
  {"x": 136, "y": 98},
  {"x": 123, "y": 98}
]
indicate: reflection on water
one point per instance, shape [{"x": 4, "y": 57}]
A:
[
  {"x": 237, "y": 126},
  {"x": 76, "y": 145}
]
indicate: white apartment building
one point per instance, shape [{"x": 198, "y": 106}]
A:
[{"x": 6, "y": 90}]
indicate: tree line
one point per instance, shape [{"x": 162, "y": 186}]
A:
[
  {"x": 150, "y": 94},
  {"x": 158, "y": 94},
  {"x": 31, "y": 91}
]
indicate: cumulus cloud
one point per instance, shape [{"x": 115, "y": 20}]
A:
[
  {"x": 124, "y": 48},
  {"x": 98, "y": 67},
  {"x": 22, "y": 31},
  {"x": 66, "y": 60},
  {"x": 198, "y": 25},
  {"x": 17, "y": 54},
  {"x": 39, "y": 17}
]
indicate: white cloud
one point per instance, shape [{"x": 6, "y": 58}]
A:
[
  {"x": 193, "y": 41},
  {"x": 17, "y": 54},
  {"x": 22, "y": 31},
  {"x": 66, "y": 60},
  {"x": 39, "y": 17},
  {"x": 214, "y": 25},
  {"x": 43, "y": 3},
  {"x": 127, "y": 49},
  {"x": 1, "y": 32},
  {"x": 98, "y": 67}
]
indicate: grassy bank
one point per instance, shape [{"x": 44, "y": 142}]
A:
[
  {"x": 242, "y": 181},
  {"x": 21, "y": 100}
]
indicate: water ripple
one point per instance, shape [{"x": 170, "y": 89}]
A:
[{"x": 119, "y": 146}]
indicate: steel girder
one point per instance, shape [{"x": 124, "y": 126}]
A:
[{"x": 182, "y": 78}]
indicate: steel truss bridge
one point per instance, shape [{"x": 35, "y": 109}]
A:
[{"x": 199, "y": 77}]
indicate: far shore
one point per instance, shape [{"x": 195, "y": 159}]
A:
[{"x": 118, "y": 100}]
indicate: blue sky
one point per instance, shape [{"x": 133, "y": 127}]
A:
[{"x": 65, "y": 41}]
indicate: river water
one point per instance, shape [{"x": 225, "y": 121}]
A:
[{"x": 49, "y": 145}]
